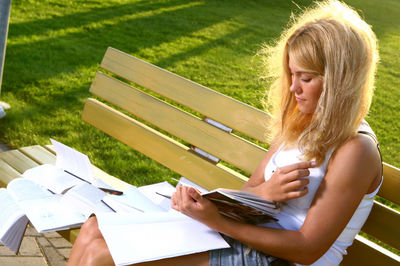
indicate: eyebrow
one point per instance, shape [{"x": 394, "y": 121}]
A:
[{"x": 305, "y": 72}]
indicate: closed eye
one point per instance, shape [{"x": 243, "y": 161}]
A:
[{"x": 306, "y": 80}]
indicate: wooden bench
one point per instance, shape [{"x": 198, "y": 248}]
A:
[{"x": 162, "y": 115}]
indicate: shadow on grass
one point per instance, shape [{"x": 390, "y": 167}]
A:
[{"x": 35, "y": 63}]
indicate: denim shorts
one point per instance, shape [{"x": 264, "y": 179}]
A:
[{"x": 241, "y": 254}]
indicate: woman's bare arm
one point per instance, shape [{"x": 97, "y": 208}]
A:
[
  {"x": 351, "y": 171},
  {"x": 286, "y": 183}
]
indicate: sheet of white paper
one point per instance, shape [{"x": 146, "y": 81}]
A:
[
  {"x": 155, "y": 237},
  {"x": 52, "y": 178},
  {"x": 136, "y": 199},
  {"x": 97, "y": 182},
  {"x": 118, "y": 206},
  {"x": 73, "y": 161},
  {"x": 86, "y": 199},
  {"x": 151, "y": 192}
]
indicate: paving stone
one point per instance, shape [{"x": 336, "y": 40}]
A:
[
  {"x": 22, "y": 261},
  {"x": 52, "y": 234},
  {"x": 60, "y": 242},
  {"x": 29, "y": 247},
  {"x": 4, "y": 251},
  {"x": 31, "y": 231},
  {"x": 64, "y": 252},
  {"x": 53, "y": 257},
  {"x": 42, "y": 241}
]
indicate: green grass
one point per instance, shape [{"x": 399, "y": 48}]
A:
[{"x": 55, "y": 47}]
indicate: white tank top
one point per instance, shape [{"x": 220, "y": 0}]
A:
[{"x": 294, "y": 212}]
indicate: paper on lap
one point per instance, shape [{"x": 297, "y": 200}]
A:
[{"x": 153, "y": 236}]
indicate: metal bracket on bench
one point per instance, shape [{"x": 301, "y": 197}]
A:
[
  {"x": 204, "y": 155},
  {"x": 217, "y": 124}
]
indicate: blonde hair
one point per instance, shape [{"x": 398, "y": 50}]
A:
[{"x": 333, "y": 42}]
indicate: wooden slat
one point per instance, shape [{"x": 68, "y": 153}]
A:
[
  {"x": 39, "y": 154},
  {"x": 365, "y": 252},
  {"x": 69, "y": 235},
  {"x": 391, "y": 184},
  {"x": 17, "y": 160},
  {"x": 230, "y": 148},
  {"x": 7, "y": 173},
  {"x": 217, "y": 106},
  {"x": 384, "y": 224},
  {"x": 166, "y": 151}
]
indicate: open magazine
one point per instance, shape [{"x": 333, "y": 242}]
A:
[
  {"x": 243, "y": 206},
  {"x": 238, "y": 205}
]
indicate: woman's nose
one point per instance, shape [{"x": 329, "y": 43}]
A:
[{"x": 295, "y": 87}]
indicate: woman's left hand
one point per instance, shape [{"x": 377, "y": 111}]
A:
[{"x": 188, "y": 201}]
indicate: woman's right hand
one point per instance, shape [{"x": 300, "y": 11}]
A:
[{"x": 288, "y": 182}]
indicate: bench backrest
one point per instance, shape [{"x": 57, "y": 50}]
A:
[{"x": 171, "y": 110}]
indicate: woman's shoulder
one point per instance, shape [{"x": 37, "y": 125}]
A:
[{"x": 360, "y": 159}]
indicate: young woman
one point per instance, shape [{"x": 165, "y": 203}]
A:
[{"x": 323, "y": 164}]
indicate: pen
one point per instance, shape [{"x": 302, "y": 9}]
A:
[
  {"x": 108, "y": 206},
  {"x": 166, "y": 196},
  {"x": 76, "y": 176},
  {"x": 107, "y": 190},
  {"x": 111, "y": 191}
]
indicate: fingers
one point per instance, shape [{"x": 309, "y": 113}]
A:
[
  {"x": 297, "y": 166},
  {"x": 296, "y": 185},
  {"x": 184, "y": 197},
  {"x": 194, "y": 194},
  {"x": 297, "y": 193},
  {"x": 289, "y": 182}
]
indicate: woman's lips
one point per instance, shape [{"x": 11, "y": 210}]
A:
[{"x": 299, "y": 99}]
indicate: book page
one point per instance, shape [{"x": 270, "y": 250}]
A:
[
  {"x": 52, "y": 178},
  {"x": 86, "y": 199},
  {"x": 73, "y": 161},
  {"x": 50, "y": 214},
  {"x": 242, "y": 209},
  {"x": 154, "y": 236},
  {"x": 43, "y": 208},
  {"x": 13, "y": 221},
  {"x": 24, "y": 189}
]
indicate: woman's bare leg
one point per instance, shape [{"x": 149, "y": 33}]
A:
[
  {"x": 98, "y": 254},
  {"x": 88, "y": 233},
  {"x": 90, "y": 249}
]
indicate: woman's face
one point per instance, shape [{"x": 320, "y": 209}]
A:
[{"x": 306, "y": 88}]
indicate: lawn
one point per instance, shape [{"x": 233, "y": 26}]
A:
[{"x": 54, "y": 49}]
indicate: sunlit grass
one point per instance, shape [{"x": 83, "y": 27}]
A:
[{"x": 55, "y": 47}]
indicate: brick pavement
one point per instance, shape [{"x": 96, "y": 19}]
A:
[{"x": 48, "y": 249}]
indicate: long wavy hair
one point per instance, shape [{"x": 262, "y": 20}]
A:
[{"x": 332, "y": 41}]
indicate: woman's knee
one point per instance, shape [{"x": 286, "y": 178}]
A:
[
  {"x": 97, "y": 253},
  {"x": 90, "y": 229}
]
